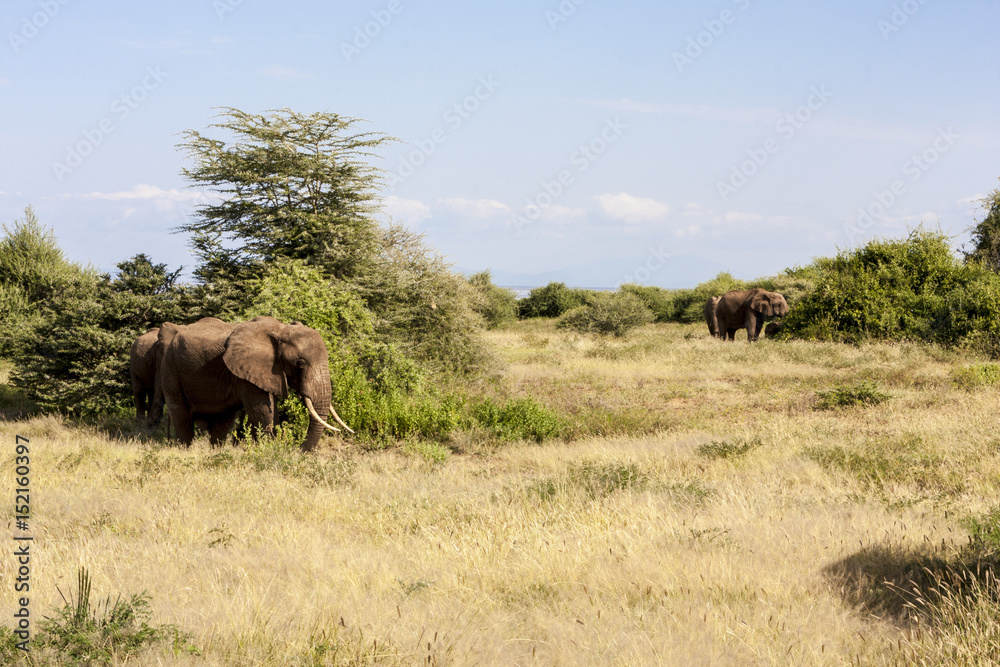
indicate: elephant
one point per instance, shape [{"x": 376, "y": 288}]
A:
[
  {"x": 212, "y": 368},
  {"x": 710, "y": 317},
  {"x": 772, "y": 329},
  {"x": 144, "y": 360},
  {"x": 748, "y": 309}
]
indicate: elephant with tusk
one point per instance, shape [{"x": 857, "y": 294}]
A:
[
  {"x": 211, "y": 369},
  {"x": 748, "y": 308}
]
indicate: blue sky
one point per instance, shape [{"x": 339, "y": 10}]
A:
[{"x": 595, "y": 142}]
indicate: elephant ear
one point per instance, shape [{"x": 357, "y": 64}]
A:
[
  {"x": 761, "y": 303},
  {"x": 252, "y": 354}
]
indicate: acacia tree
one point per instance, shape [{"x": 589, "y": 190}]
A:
[
  {"x": 986, "y": 234},
  {"x": 290, "y": 186}
]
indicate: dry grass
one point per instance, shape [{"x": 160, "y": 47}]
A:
[{"x": 719, "y": 518}]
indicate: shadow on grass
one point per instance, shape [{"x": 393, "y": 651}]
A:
[
  {"x": 14, "y": 404},
  {"x": 907, "y": 586}
]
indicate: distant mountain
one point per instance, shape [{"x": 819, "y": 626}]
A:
[{"x": 673, "y": 271}]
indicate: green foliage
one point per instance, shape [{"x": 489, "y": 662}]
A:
[
  {"x": 864, "y": 393},
  {"x": 689, "y": 304},
  {"x": 658, "y": 300},
  {"x": 984, "y": 532},
  {"x": 914, "y": 288},
  {"x": 75, "y": 358},
  {"x": 82, "y": 634},
  {"x": 728, "y": 450},
  {"x": 421, "y": 306},
  {"x": 985, "y": 235},
  {"x": 33, "y": 269},
  {"x": 608, "y": 313},
  {"x": 518, "y": 419},
  {"x": 497, "y": 305},
  {"x": 975, "y": 376},
  {"x": 433, "y": 453},
  {"x": 551, "y": 301}
]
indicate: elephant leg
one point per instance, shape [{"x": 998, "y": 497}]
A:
[
  {"x": 259, "y": 407},
  {"x": 183, "y": 423},
  {"x": 757, "y": 330},
  {"x": 219, "y": 427},
  {"x": 751, "y": 326},
  {"x": 139, "y": 399},
  {"x": 730, "y": 334}
]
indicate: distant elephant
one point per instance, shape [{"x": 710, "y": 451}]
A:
[
  {"x": 748, "y": 308},
  {"x": 772, "y": 329},
  {"x": 144, "y": 360},
  {"x": 710, "y": 317},
  {"x": 211, "y": 369}
]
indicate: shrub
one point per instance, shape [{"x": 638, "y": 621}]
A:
[
  {"x": 33, "y": 270},
  {"x": 497, "y": 305},
  {"x": 108, "y": 631},
  {"x": 864, "y": 393},
  {"x": 614, "y": 314},
  {"x": 689, "y": 304},
  {"x": 728, "y": 450},
  {"x": 419, "y": 305},
  {"x": 914, "y": 288},
  {"x": 978, "y": 375},
  {"x": 75, "y": 359},
  {"x": 659, "y": 301},
  {"x": 551, "y": 301},
  {"x": 519, "y": 419}
]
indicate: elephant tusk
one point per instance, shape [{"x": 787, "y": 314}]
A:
[{"x": 315, "y": 415}]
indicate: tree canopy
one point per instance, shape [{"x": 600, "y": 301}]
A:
[{"x": 288, "y": 186}]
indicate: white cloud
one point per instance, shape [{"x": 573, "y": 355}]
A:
[
  {"x": 143, "y": 191},
  {"x": 285, "y": 73},
  {"x": 478, "y": 209},
  {"x": 562, "y": 214},
  {"x": 634, "y": 210},
  {"x": 410, "y": 212}
]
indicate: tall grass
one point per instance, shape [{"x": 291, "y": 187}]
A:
[{"x": 720, "y": 519}]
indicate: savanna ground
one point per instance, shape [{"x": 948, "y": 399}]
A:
[{"x": 701, "y": 508}]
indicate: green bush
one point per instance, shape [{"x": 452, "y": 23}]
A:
[
  {"x": 608, "y": 313},
  {"x": 659, "y": 301},
  {"x": 75, "y": 358},
  {"x": 728, "y": 450},
  {"x": 419, "y": 305},
  {"x": 977, "y": 375},
  {"x": 497, "y": 305},
  {"x": 864, "y": 393},
  {"x": 518, "y": 419},
  {"x": 82, "y": 634},
  {"x": 689, "y": 304},
  {"x": 909, "y": 289},
  {"x": 551, "y": 301},
  {"x": 33, "y": 270}
]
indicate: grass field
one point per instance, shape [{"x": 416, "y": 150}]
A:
[{"x": 709, "y": 503}]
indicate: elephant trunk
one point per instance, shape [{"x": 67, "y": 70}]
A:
[{"x": 316, "y": 395}]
